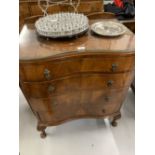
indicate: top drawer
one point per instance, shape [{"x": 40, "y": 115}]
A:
[{"x": 52, "y": 69}]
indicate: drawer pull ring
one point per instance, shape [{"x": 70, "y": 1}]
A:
[
  {"x": 47, "y": 74},
  {"x": 51, "y": 88},
  {"x": 114, "y": 67},
  {"x": 110, "y": 83}
]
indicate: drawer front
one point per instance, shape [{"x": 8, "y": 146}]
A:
[
  {"x": 76, "y": 104},
  {"x": 50, "y": 70},
  {"x": 78, "y": 82}
]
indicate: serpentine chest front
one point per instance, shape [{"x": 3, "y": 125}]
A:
[{"x": 87, "y": 77}]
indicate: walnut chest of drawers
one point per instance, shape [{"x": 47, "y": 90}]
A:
[{"x": 86, "y": 77}]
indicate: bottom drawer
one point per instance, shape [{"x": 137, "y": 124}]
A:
[{"x": 78, "y": 104}]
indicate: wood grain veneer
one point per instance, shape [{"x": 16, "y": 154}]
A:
[{"x": 86, "y": 77}]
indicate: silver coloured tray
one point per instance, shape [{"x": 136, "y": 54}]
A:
[
  {"x": 62, "y": 25},
  {"x": 108, "y": 28}
]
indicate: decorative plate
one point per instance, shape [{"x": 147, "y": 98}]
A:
[
  {"x": 108, "y": 28},
  {"x": 62, "y": 25}
]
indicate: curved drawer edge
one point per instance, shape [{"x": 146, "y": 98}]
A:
[
  {"x": 74, "y": 54},
  {"x": 77, "y": 74}
]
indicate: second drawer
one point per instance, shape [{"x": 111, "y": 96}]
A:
[{"x": 77, "y": 82}]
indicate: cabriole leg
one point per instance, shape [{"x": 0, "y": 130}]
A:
[
  {"x": 115, "y": 118},
  {"x": 42, "y": 129}
]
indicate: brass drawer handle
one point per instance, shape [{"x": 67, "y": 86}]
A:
[
  {"x": 51, "y": 88},
  {"x": 107, "y": 98},
  {"x": 110, "y": 83},
  {"x": 47, "y": 74},
  {"x": 114, "y": 67}
]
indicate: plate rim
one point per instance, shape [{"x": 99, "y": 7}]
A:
[{"x": 64, "y": 36}]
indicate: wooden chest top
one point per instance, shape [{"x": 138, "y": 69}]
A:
[{"x": 33, "y": 47}]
